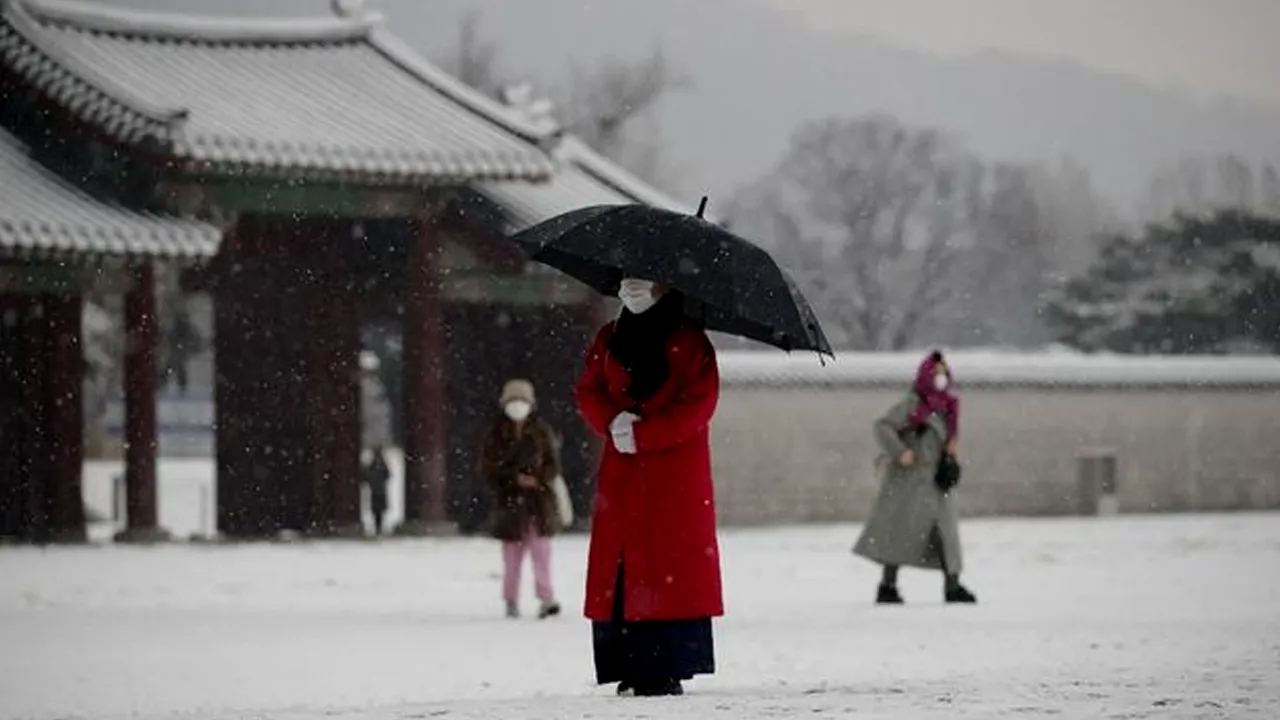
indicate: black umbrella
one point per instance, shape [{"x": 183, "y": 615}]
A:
[{"x": 737, "y": 288}]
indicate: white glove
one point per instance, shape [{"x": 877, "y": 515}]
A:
[
  {"x": 623, "y": 431},
  {"x": 625, "y": 441},
  {"x": 623, "y": 421}
]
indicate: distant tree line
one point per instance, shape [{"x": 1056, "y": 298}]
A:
[
  {"x": 902, "y": 238},
  {"x": 1190, "y": 284}
]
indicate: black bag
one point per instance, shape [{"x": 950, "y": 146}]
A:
[{"x": 948, "y": 474}]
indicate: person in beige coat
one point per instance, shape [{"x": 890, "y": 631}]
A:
[{"x": 914, "y": 522}]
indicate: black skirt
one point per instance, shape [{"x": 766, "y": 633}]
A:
[{"x": 652, "y": 649}]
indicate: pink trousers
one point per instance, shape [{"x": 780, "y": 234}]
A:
[{"x": 513, "y": 553}]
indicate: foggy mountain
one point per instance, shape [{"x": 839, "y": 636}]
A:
[{"x": 756, "y": 74}]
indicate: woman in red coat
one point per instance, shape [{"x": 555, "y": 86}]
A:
[{"x": 650, "y": 387}]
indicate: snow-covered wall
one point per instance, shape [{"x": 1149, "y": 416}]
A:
[
  {"x": 997, "y": 368},
  {"x": 792, "y": 439},
  {"x": 796, "y": 453}
]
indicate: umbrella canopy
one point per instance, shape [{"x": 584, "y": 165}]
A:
[{"x": 736, "y": 287}]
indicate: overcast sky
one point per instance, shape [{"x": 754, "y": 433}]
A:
[{"x": 1205, "y": 46}]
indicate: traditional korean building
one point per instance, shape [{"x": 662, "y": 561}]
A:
[
  {"x": 57, "y": 242},
  {"x": 350, "y": 180}
]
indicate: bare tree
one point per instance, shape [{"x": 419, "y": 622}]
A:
[
  {"x": 872, "y": 217},
  {"x": 474, "y": 60},
  {"x": 1236, "y": 182},
  {"x": 1011, "y": 265},
  {"x": 1270, "y": 189},
  {"x": 1202, "y": 185},
  {"x": 605, "y": 102},
  {"x": 1074, "y": 216},
  {"x": 604, "y": 98}
]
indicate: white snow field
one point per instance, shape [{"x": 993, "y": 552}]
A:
[{"x": 1121, "y": 617}]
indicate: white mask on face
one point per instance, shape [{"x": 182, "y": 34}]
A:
[
  {"x": 518, "y": 410},
  {"x": 636, "y": 295},
  {"x": 940, "y": 382}
]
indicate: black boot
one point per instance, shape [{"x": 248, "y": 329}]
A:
[
  {"x": 659, "y": 688},
  {"x": 888, "y": 595},
  {"x": 957, "y": 593}
]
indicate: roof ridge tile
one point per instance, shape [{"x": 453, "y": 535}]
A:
[
  {"x": 71, "y": 70},
  {"x": 572, "y": 149},
  {"x": 398, "y": 52},
  {"x": 97, "y": 18}
]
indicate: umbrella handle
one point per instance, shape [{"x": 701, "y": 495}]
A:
[{"x": 702, "y": 206}]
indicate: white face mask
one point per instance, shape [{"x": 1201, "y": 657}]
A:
[
  {"x": 636, "y": 295},
  {"x": 517, "y": 410},
  {"x": 940, "y": 382}
]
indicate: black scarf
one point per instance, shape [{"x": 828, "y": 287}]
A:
[{"x": 639, "y": 344}]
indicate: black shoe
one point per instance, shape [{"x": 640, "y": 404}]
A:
[
  {"x": 625, "y": 689},
  {"x": 888, "y": 595},
  {"x": 960, "y": 594},
  {"x": 659, "y": 688},
  {"x": 548, "y": 609}
]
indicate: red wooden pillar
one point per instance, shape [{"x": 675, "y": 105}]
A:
[
  {"x": 64, "y": 419},
  {"x": 425, "y": 410},
  {"x": 33, "y": 450},
  {"x": 239, "y": 504},
  {"x": 232, "y": 399},
  {"x": 315, "y": 402},
  {"x": 332, "y": 390},
  {"x": 140, "y": 409},
  {"x": 253, "y": 453},
  {"x": 348, "y": 419},
  {"x": 227, "y": 409},
  {"x": 12, "y": 418}
]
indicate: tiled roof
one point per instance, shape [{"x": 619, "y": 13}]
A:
[
  {"x": 582, "y": 178},
  {"x": 615, "y": 176},
  {"x": 317, "y": 97},
  {"x": 42, "y": 214},
  {"x": 527, "y": 204}
]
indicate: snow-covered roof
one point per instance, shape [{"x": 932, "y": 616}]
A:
[
  {"x": 42, "y": 214},
  {"x": 604, "y": 170},
  {"x": 583, "y": 177},
  {"x": 987, "y": 368},
  {"x": 322, "y": 97},
  {"x": 526, "y": 204}
]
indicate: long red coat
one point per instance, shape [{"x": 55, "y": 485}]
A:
[{"x": 655, "y": 509}]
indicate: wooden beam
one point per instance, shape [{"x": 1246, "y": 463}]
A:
[
  {"x": 222, "y": 196},
  {"x": 61, "y": 278},
  {"x": 480, "y": 287}
]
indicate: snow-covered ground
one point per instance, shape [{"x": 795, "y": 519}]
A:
[{"x": 1125, "y": 617}]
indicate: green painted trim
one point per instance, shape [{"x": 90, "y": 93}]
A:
[
  {"x": 60, "y": 279},
  {"x": 513, "y": 289},
  {"x": 259, "y": 195}
]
